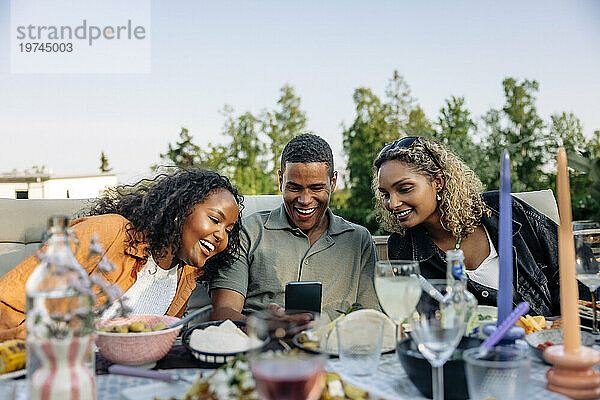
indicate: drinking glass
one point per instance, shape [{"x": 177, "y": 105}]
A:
[
  {"x": 285, "y": 375},
  {"x": 501, "y": 373},
  {"x": 398, "y": 290},
  {"x": 438, "y": 324},
  {"x": 359, "y": 344},
  {"x": 587, "y": 265}
]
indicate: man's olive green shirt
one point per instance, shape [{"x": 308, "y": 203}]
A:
[{"x": 273, "y": 253}]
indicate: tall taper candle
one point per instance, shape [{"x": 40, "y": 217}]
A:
[
  {"x": 505, "y": 246},
  {"x": 566, "y": 259}
]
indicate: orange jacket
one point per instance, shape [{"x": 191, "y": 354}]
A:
[{"x": 111, "y": 232}]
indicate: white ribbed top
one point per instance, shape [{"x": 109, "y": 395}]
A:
[
  {"x": 487, "y": 272},
  {"x": 152, "y": 292}
]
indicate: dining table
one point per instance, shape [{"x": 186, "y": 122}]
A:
[{"x": 382, "y": 384}]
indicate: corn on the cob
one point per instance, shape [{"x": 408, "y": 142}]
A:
[{"x": 12, "y": 355}]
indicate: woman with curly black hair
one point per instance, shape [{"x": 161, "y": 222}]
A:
[
  {"x": 432, "y": 202},
  {"x": 162, "y": 235}
]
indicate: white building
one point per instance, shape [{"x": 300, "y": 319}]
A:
[{"x": 44, "y": 186}]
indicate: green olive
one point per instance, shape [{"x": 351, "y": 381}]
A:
[
  {"x": 137, "y": 326},
  {"x": 159, "y": 326},
  {"x": 121, "y": 329}
]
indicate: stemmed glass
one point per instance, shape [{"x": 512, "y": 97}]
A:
[
  {"x": 587, "y": 265},
  {"x": 285, "y": 375},
  {"x": 438, "y": 324},
  {"x": 398, "y": 289}
]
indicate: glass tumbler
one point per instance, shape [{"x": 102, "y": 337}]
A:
[
  {"x": 501, "y": 374},
  {"x": 359, "y": 344}
]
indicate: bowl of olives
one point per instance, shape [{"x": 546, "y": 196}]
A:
[{"x": 136, "y": 340}]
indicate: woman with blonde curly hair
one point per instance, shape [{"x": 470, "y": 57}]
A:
[{"x": 432, "y": 202}]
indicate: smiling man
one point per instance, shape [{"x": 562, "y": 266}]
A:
[{"x": 302, "y": 240}]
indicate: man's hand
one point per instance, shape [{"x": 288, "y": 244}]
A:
[{"x": 292, "y": 323}]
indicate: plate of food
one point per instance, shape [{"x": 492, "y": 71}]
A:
[
  {"x": 12, "y": 359},
  {"x": 233, "y": 380},
  {"x": 485, "y": 315},
  {"x": 532, "y": 323},
  {"x": 540, "y": 340},
  {"x": 312, "y": 340},
  {"x": 585, "y": 309}
]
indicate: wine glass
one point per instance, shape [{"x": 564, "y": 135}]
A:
[
  {"x": 285, "y": 375},
  {"x": 587, "y": 265},
  {"x": 398, "y": 290},
  {"x": 437, "y": 325}
]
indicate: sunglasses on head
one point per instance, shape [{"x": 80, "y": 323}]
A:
[{"x": 406, "y": 143}]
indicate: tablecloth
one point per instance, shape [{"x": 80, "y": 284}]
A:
[{"x": 381, "y": 384}]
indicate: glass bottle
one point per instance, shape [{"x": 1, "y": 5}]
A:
[
  {"x": 457, "y": 280},
  {"x": 59, "y": 299}
]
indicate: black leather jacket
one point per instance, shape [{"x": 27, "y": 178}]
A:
[{"x": 535, "y": 247}]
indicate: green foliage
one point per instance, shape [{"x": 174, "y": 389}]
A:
[
  {"x": 517, "y": 126},
  {"x": 339, "y": 199},
  {"x": 183, "y": 154},
  {"x": 253, "y": 145},
  {"x": 35, "y": 170},
  {"x": 104, "y": 163},
  {"x": 418, "y": 124},
  {"x": 588, "y": 197},
  {"x": 246, "y": 163},
  {"x": 284, "y": 124},
  {"x": 361, "y": 216},
  {"x": 455, "y": 129},
  {"x": 568, "y": 129},
  {"x": 375, "y": 124}
]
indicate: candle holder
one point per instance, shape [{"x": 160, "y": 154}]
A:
[
  {"x": 572, "y": 374},
  {"x": 514, "y": 333}
]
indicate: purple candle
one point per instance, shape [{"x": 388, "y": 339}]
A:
[{"x": 505, "y": 250}]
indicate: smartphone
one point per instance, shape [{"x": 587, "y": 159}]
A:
[{"x": 303, "y": 296}]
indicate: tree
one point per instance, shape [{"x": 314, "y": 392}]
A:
[
  {"x": 594, "y": 144},
  {"x": 456, "y": 129},
  {"x": 567, "y": 127},
  {"x": 184, "y": 153},
  {"x": 399, "y": 102},
  {"x": 361, "y": 141},
  {"x": 104, "y": 168},
  {"x": 518, "y": 125},
  {"x": 492, "y": 145},
  {"x": 375, "y": 124},
  {"x": 418, "y": 124},
  {"x": 284, "y": 124},
  {"x": 525, "y": 127},
  {"x": 36, "y": 170},
  {"x": 253, "y": 145},
  {"x": 246, "y": 155},
  {"x": 586, "y": 205}
]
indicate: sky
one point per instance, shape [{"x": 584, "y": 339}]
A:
[{"x": 206, "y": 54}]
